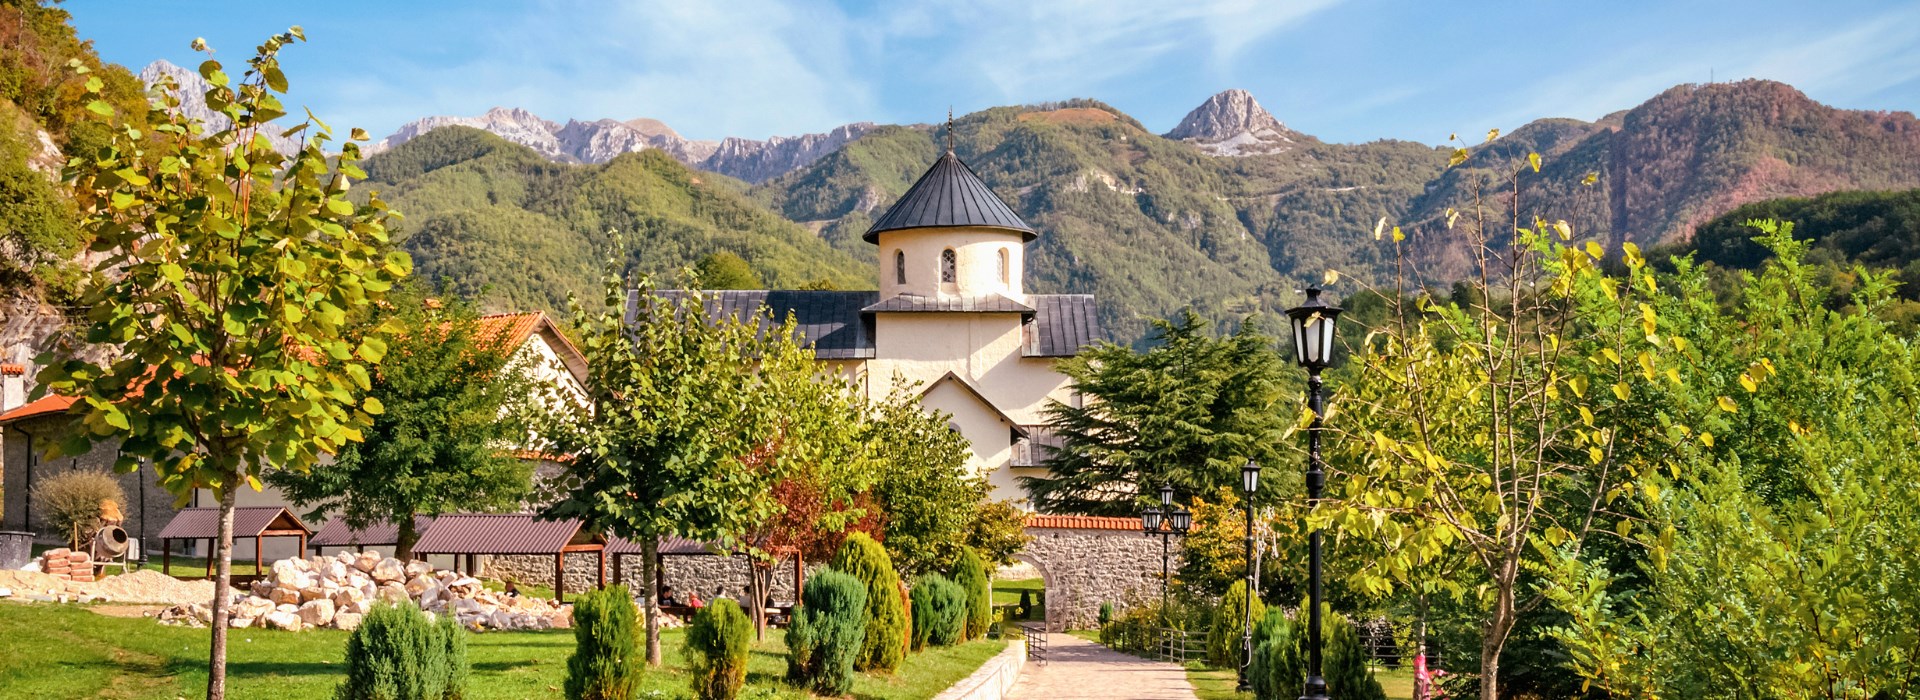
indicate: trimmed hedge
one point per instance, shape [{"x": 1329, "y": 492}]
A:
[
  {"x": 399, "y": 653},
  {"x": 828, "y": 632},
  {"x": 886, "y": 619},
  {"x": 1223, "y": 640},
  {"x": 718, "y": 643},
  {"x": 970, "y": 573},
  {"x": 602, "y": 665},
  {"x": 939, "y": 612}
]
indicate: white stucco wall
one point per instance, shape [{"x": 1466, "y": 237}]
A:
[{"x": 977, "y": 251}]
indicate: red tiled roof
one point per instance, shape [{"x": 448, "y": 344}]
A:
[
  {"x": 48, "y": 405},
  {"x": 1082, "y": 522},
  {"x": 510, "y": 330},
  {"x": 249, "y": 521},
  {"x": 13, "y": 370}
]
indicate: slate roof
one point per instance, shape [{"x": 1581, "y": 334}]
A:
[
  {"x": 949, "y": 194},
  {"x": 839, "y": 325}
]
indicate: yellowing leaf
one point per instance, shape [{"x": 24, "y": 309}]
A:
[
  {"x": 1533, "y": 159},
  {"x": 1673, "y": 375},
  {"x": 1564, "y": 229},
  {"x": 253, "y": 482},
  {"x": 1493, "y": 134},
  {"x": 1397, "y": 235},
  {"x": 1459, "y": 155},
  {"x": 1578, "y": 385},
  {"x": 1586, "y": 416},
  {"x": 1680, "y": 343},
  {"x": 1331, "y": 278},
  {"x": 1611, "y": 356},
  {"x": 1592, "y": 177},
  {"x": 1595, "y": 455},
  {"x": 1746, "y": 382},
  {"x": 1620, "y": 389},
  {"x": 372, "y": 406},
  {"x": 1728, "y": 405},
  {"x": 1379, "y": 228}
]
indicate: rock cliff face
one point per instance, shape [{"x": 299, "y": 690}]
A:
[
  {"x": 193, "y": 101},
  {"x": 1232, "y": 123},
  {"x": 760, "y": 161},
  {"x": 601, "y": 140}
]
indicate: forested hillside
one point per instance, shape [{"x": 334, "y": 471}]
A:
[
  {"x": 1146, "y": 223},
  {"x": 494, "y": 220}
]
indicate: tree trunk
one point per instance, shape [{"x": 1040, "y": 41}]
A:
[
  {"x": 759, "y": 589},
  {"x": 223, "y": 582},
  {"x": 650, "y": 596},
  {"x": 404, "y": 539},
  {"x": 1494, "y": 639}
]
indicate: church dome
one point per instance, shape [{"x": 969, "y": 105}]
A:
[{"x": 949, "y": 195}]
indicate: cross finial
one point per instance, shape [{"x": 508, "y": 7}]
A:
[{"x": 949, "y": 129}]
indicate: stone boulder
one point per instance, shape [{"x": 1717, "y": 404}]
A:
[
  {"x": 347, "y": 620},
  {"x": 316, "y": 613},
  {"x": 389, "y": 571},
  {"x": 288, "y": 621}
]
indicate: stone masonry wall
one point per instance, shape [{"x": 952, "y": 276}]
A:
[
  {"x": 705, "y": 574},
  {"x": 148, "y": 508},
  {"x": 582, "y": 571},
  {"x": 1084, "y": 568}
]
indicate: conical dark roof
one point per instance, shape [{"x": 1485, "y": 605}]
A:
[{"x": 949, "y": 194}]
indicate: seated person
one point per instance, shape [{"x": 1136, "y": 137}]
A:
[
  {"x": 511, "y": 590},
  {"x": 694, "y": 601},
  {"x": 667, "y": 598}
]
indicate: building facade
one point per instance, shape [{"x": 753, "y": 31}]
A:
[{"x": 951, "y": 320}]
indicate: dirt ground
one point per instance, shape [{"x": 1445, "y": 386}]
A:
[{"x": 137, "y": 587}]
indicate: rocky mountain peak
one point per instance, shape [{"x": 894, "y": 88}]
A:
[
  {"x": 1232, "y": 123},
  {"x": 193, "y": 101}
]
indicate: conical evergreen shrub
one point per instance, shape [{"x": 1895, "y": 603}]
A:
[
  {"x": 1346, "y": 670},
  {"x": 832, "y": 628},
  {"x": 1229, "y": 620},
  {"x": 886, "y": 620},
  {"x": 718, "y": 642},
  {"x": 939, "y": 612},
  {"x": 970, "y": 573},
  {"x": 1278, "y": 672},
  {"x": 399, "y": 653},
  {"x": 602, "y": 665}
]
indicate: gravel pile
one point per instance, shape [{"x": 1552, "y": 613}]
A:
[{"x": 137, "y": 587}]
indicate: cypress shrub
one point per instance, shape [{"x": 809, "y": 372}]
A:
[
  {"x": 1346, "y": 670},
  {"x": 831, "y": 621},
  {"x": 399, "y": 653},
  {"x": 1279, "y": 671},
  {"x": 970, "y": 572},
  {"x": 939, "y": 612},
  {"x": 718, "y": 642},
  {"x": 885, "y": 642},
  {"x": 1223, "y": 640},
  {"x": 1106, "y": 611},
  {"x": 602, "y": 665}
]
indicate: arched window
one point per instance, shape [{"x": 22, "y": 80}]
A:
[
  {"x": 900, "y": 267},
  {"x": 949, "y": 266},
  {"x": 1006, "y": 267}
]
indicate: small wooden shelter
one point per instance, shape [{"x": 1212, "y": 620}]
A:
[
  {"x": 251, "y": 522},
  {"x": 513, "y": 534},
  {"x": 336, "y": 533}
]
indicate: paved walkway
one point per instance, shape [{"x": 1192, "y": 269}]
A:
[{"x": 1077, "y": 669}]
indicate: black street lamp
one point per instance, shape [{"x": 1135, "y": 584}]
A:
[
  {"x": 1250, "y": 481},
  {"x": 1176, "y": 520},
  {"x": 1313, "y": 325}
]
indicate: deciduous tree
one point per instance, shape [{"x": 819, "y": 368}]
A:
[{"x": 226, "y": 276}]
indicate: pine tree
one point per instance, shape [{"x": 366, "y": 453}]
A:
[
  {"x": 885, "y": 642},
  {"x": 970, "y": 574}
]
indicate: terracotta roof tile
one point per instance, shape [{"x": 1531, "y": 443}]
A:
[
  {"x": 13, "y": 370},
  {"x": 1082, "y": 522},
  {"x": 46, "y": 406}
]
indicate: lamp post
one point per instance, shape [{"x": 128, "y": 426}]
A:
[
  {"x": 1176, "y": 520},
  {"x": 1313, "y": 325},
  {"x": 1250, "y": 481}
]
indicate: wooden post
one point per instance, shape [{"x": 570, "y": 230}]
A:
[
  {"x": 560, "y": 577},
  {"x": 603, "y": 568},
  {"x": 259, "y": 554},
  {"x": 166, "y": 556},
  {"x": 799, "y": 576}
]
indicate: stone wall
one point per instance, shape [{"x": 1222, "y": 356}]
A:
[
  {"x": 1084, "y": 568},
  {"x": 148, "y": 508},
  {"x": 705, "y": 574}
]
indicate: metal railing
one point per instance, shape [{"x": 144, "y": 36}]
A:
[
  {"x": 1176, "y": 646},
  {"x": 1036, "y": 636}
]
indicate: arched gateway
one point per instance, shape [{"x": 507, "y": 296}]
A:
[{"x": 1087, "y": 561}]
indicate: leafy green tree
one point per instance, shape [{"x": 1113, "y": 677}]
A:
[
  {"x": 998, "y": 531},
  {"x": 1779, "y": 560},
  {"x": 672, "y": 435},
  {"x": 924, "y": 491},
  {"x": 724, "y": 270},
  {"x": 970, "y": 574},
  {"x": 444, "y": 443},
  {"x": 226, "y": 277},
  {"x": 1484, "y": 438},
  {"x": 601, "y": 666},
  {"x": 1189, "y": 412},
  {"x": 885, "y": 641}
]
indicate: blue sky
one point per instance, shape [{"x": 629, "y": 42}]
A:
[{"x": 1343, "y": 70}]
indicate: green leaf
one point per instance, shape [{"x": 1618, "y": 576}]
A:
[
  {"x": 372, "y": 406},
  {"x": 372, "y": 350},
  {"x": 100, "y": 107}
]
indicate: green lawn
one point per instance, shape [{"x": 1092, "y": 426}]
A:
[
  {"x": 1007, "y": 594},
  {"x": 71, "y": 652},
  {"x": 1217, "y": 684}
]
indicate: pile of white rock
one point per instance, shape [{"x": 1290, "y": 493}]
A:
[{"x": 336, "y": 592}]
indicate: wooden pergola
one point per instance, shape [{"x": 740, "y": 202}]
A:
[
  {"x": 336, "y": 533},
  {"x": 508, "y": 534},
  {"x": 252, "y": 522}
]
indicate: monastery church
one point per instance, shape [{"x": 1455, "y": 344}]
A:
[{"x": 952, "y": 319}]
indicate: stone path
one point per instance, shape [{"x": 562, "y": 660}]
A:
[{"x": 1077, "y": 669}]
